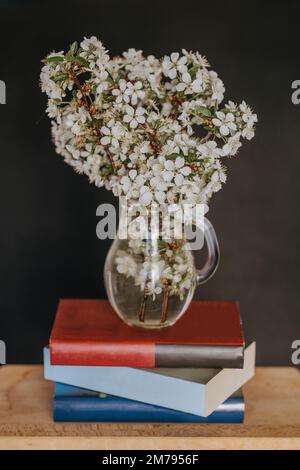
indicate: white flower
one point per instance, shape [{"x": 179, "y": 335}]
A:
[
  {"x": 167, "y": 175},
  {"x": 160, "y": 196},
  {"x": 133, "y": 56},
  {"x": 134, "y": 117},
  {"x": 231, "y": 106},
  {"x": 179, "y": 179},
  {"x": 173, "y": 64},
  {"x": 185, "y": 82},
  {"x": 189, "y": 86},
  {"x": 74, "y": 152},
  {"x": 169, "y": 165},
  {"x": 217, "y": 87},
  {"x": 126, "y": 264},
  {"x": 153, "y": 291},
  {"x": 101, "y": 80},
  {"x": 89, "y": 43},
  {"x": 120, "y": 92},
  {"x": 112, "y": 134},
  {"x": 210, "y": 149},
  {"x": 135, "y": 91},
  {"x": 145, "y": 196},
  {"x": 250, "y": 119},
  {"x": 132, "y": 174},
  {"x": 53, "y": 111},
  {"x": 179, "y": 162},
  {"x": 186, "y": 170},
  {"x": 95, "y": 53},
  {"x": 197, "y": 85},
  {"x": 225, "y": 122},
  {"x": 248, "y": 132},
  {"x": 126, "y": 184},
  {"x": 72, "y": 123},
  {"x": 247, "y": 113},
  {"x": 53, "y": 90},
  {"x": 232, "y": 145}
]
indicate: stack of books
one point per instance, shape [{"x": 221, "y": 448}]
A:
[{"x": 106, "y": 371}]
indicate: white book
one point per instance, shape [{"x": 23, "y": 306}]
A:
[{"x": 196, "y": 391}]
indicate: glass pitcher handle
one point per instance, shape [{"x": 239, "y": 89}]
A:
[{"x": 213, "y": 254}]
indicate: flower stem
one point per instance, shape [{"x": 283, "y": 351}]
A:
[
  {"x": 165, "y": 306},
  {"x": 143, "y": 306},
  {"x": 78, "y": 84}
]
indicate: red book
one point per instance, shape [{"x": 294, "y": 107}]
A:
[{"x": 89, "y": 333}]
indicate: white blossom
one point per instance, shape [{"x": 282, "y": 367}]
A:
[
  {"x": 134, "y": 117},
  {"x": 111, "y": 134},
  {"x": 188, "y": 85},
  {"x": 135, "y": 91},
  {"x": 126, "y": 264},
  {"x": 225, "y": 122},
  {"x": 217, "y": 87},
  {"x": 173, "y": 64},
  {"x": 120, "y": 92}
]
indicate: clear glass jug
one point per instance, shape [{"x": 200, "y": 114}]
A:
[{"x": 150, "y": 273}]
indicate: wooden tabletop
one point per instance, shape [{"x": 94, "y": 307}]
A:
[{"x": 272, "y": 419}]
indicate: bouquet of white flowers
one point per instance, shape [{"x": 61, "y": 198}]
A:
[
  {"x": 155, "y": 132},
  {"x": 151, "y": 129}
]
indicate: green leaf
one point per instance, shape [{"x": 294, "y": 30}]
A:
[
  {"x": 192, "y": 71},
  {"x": 73, "y": 48},
  {"x": 173, "y": 156},
  {"x": 61, "y": 76},
  {"x": 106, "y": 170},
  {"x": 70, "y": 57},
  {"x": 162, "y": 245},
  {"x": 54, "y": 58},
  {"x": 203, "y": 111},
  {"x": 82, "y": 61}
]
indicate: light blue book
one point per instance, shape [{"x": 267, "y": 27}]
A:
[
  {"x": 73, "y": 404},
  {"x": 195, "y": 391}
]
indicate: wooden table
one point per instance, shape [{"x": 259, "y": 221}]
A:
[{"x": 272, "y": 418}]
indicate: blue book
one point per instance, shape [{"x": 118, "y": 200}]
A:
[{"x": 73, "y": 404}]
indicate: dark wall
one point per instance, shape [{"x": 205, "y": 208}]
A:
[{"x": 49, "y": 247}]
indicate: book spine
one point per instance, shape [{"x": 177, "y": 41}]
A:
[
  {"x": 112, "y": 409},
  {"x": 146, "y": 355},
  {"x": 199, "y": 356},
  {"x": 106, "y": 354}
]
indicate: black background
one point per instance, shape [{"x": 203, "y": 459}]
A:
[{"x": 49, "y": 247}]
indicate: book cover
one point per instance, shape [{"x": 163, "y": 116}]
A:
[
  {"x": 89, "y": 333},
  {"x": 195, "y": 391},
  {"x": 73, "y": 404}
]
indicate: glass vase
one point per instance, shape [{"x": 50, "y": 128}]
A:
[{"x": 150, "y": 273}]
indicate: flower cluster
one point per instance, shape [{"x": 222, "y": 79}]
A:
[
  {"x": 174, "y": 271},
  {"x": 156, "y": 255},
  {"x": 153, "y": 130}
]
